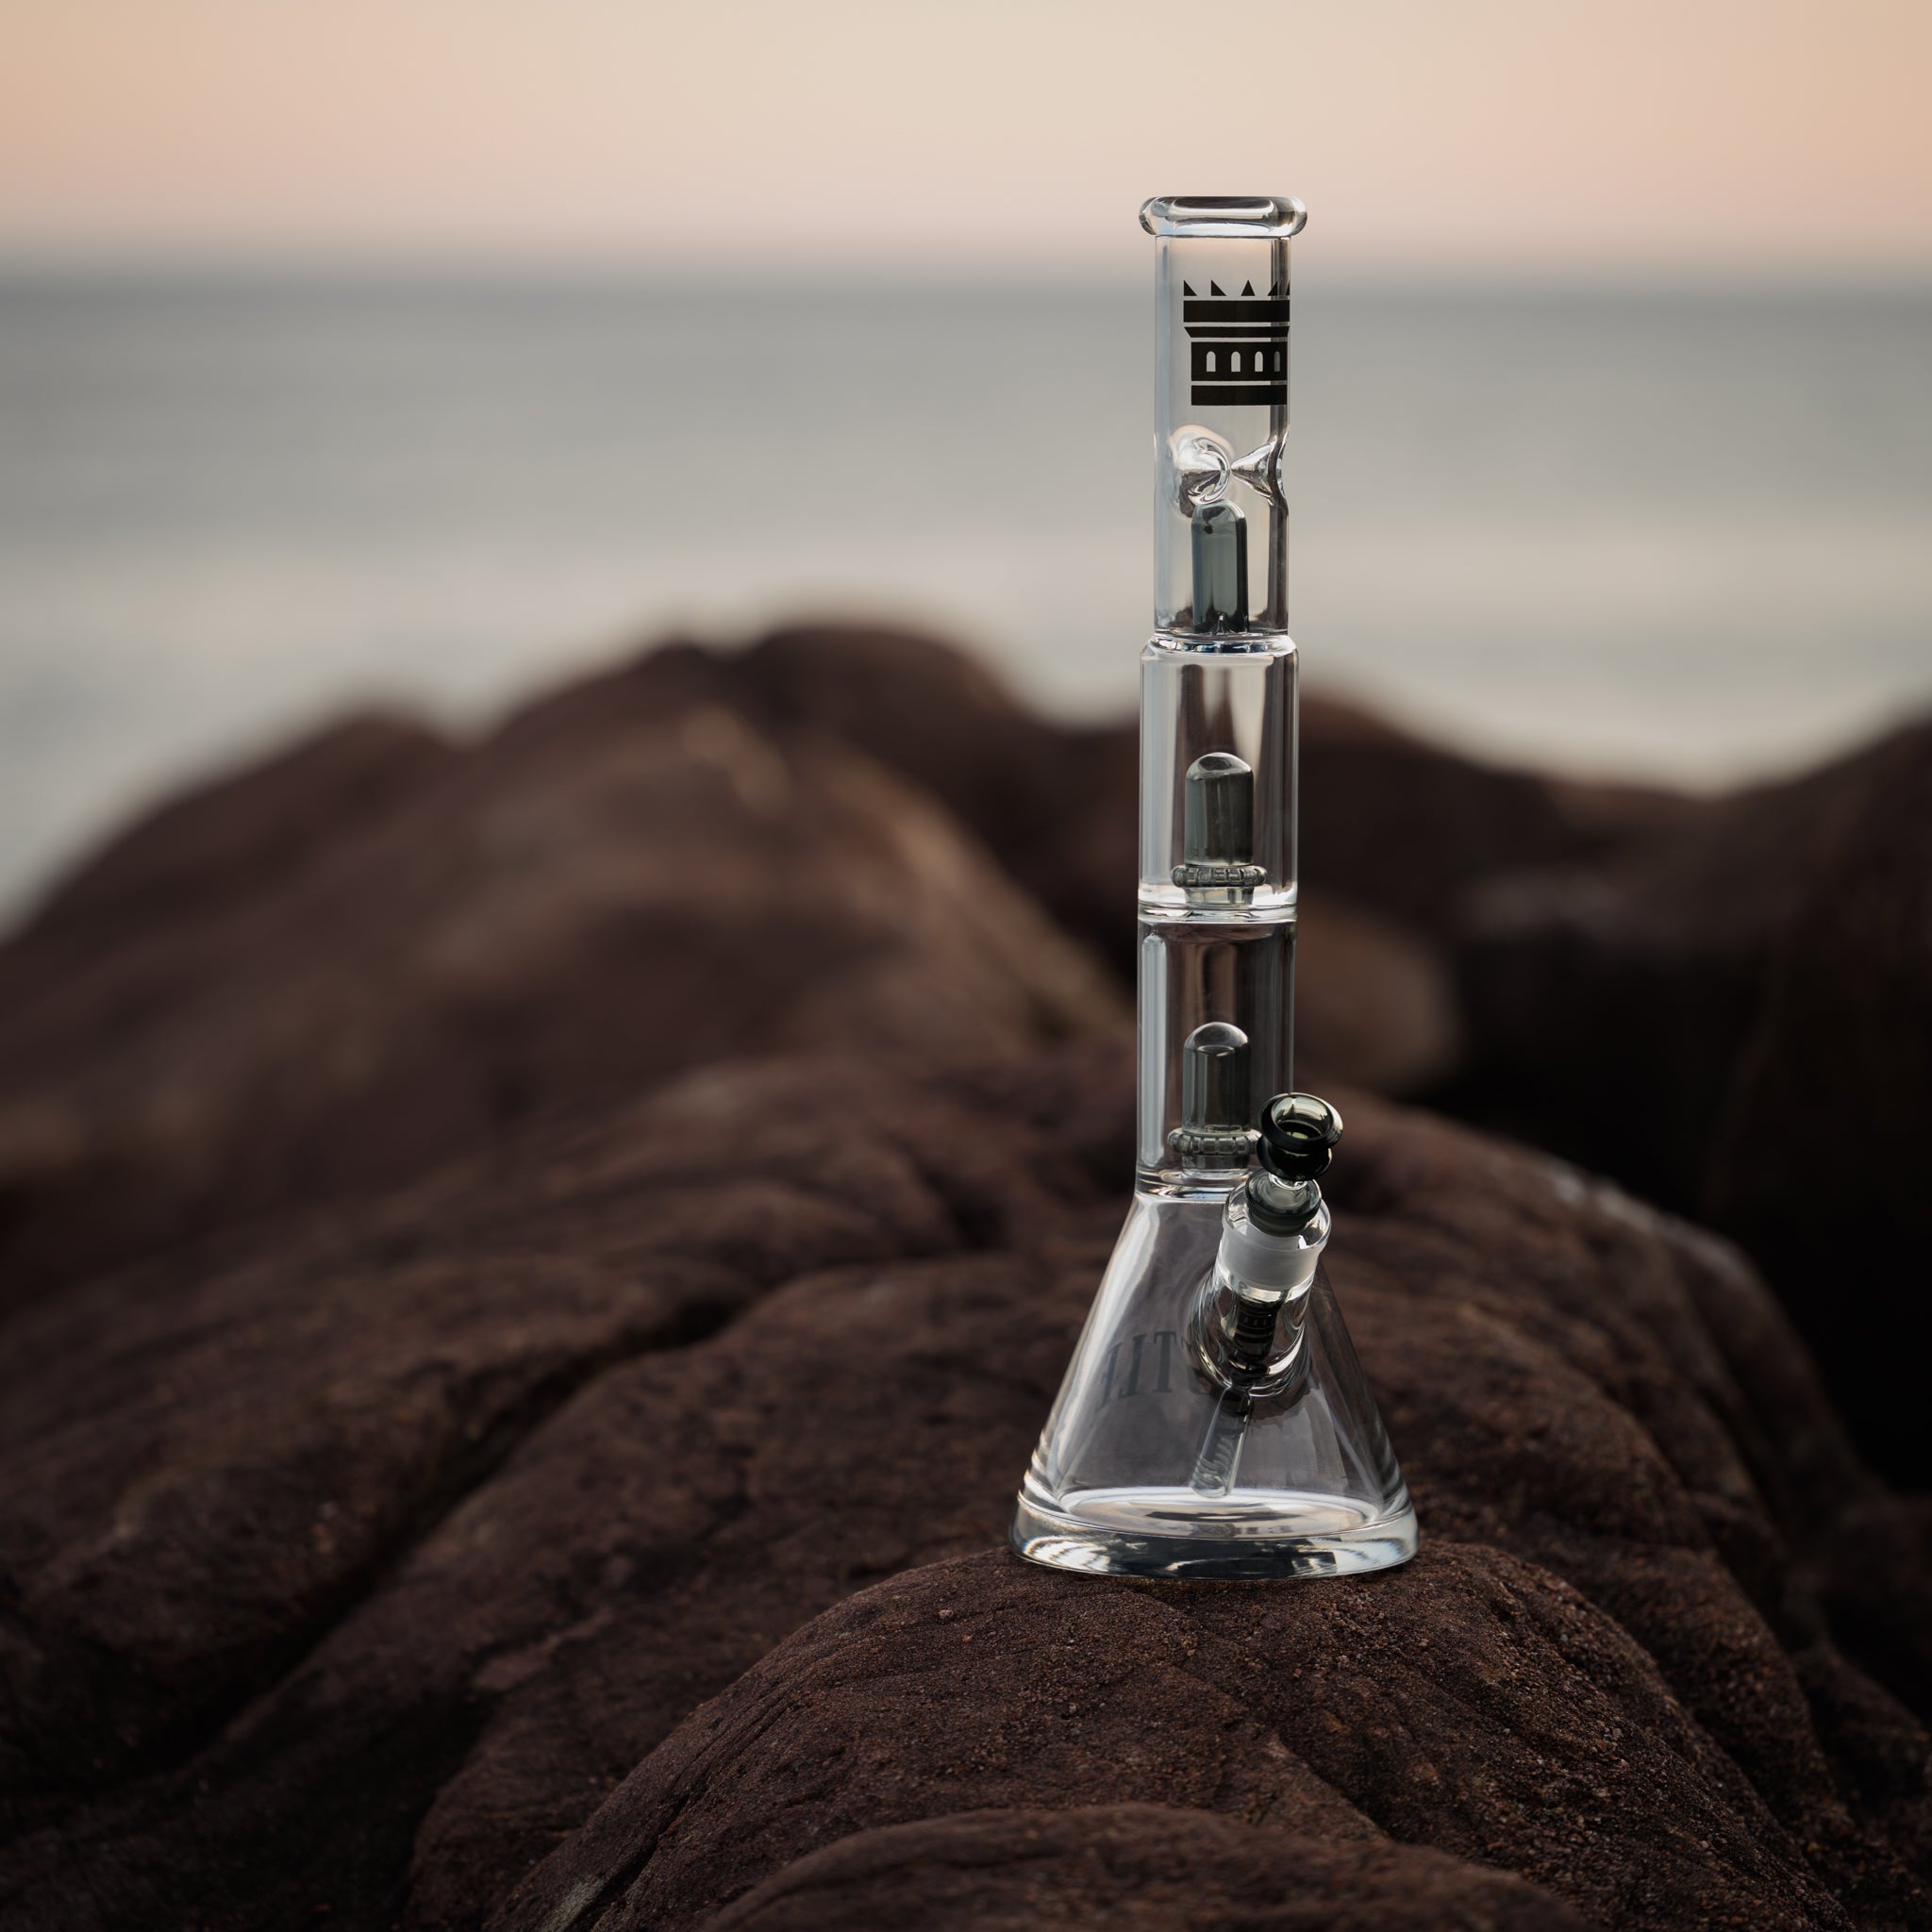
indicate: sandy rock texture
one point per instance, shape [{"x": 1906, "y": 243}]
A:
[{"x": 533, "y": 1271}]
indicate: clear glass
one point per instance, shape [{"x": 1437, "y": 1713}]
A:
[
  {"x": 1194, "y": 976},
  {"x": 1118, "y": 1483},
  {"x": 1217, "y": 893},
  {"x": 1199, "y": 698},
  {"x": 1165, "y": 1454},
  {"x": 1220, "y": 423}
]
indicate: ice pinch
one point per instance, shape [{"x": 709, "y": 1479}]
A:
[{"x": 1214, "y": 1420}]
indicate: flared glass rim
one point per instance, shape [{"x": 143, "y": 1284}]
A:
[{"x": 1227, "y": 217}]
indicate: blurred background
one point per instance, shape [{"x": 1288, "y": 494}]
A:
[{"x": 430, "y": 350}]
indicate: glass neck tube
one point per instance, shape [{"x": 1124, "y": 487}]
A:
[{"x": 1221, "y": 517}]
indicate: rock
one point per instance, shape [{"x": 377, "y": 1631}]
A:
[
  {"x": 1402, "y": 827},
  {"x": 1056, "y": 804},
  {"x": 124, "y": 1658},
  {"x": 202, "y": 1463},
  {"x": 375, "y": 950},
  {"x": 1374, "y": 1003},
  {"x": 598, "y": 1218},
  {"x": 1667, "y": 1015},
  {"x": 222, "y": 844},
  {"x": 1053, "y": 804},
  {"x": 1818, "y": 1161},
  {"x": 1471, "y": 1703},
  {"x": 1581, "y": 1389},
  {"x": 1128, "y": 1867},
  {"x": 1392, "y": 824},
  {"x": 1882, "y": 1609},
  {"x": 553, "y": 919},
  {"x": 1585, "y": 982}
]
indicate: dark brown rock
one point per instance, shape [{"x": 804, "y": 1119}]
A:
[
  {"x": 1819, "y": 1162},
  {"x": 1403, "y": 826},
  {"x": 1575, "y": 1385},
  {"x": 1668, "y": 1014},
  {"x": 478, "y": 1420},
  {"x": 229, "y": 841},
  {"x": 203, "y": 1462},
  {"x": 1132, "y": 1868},
  {"x": 1390, "y": 822},
  {"x": 376, "y": 951},
  {"x": 1470, "y": 1703},
  {"x": 1583, "y": 982},
  {"x": 1374, "y": 1002},
  {"x": 1056, "y": 805},
  {"x": 1053, "y": 804},
  {"x": 555, "y": 919},
  {"x": 1572, "y": 1379}
]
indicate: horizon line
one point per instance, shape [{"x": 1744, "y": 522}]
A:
[{"x": 669, "y": 270}]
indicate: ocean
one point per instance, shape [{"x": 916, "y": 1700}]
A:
[{"x": 1669, "y": 534}]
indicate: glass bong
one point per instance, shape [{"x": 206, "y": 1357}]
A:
[{"x": 1214, "y": 1422}]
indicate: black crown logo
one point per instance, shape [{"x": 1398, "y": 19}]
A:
[{"x": 1239, "y": 344}]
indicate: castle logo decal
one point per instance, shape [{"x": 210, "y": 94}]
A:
[{"x": 1238, "y": 343}]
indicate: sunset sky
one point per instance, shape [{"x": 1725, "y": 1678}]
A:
[{"x": 1763, "y": 137}]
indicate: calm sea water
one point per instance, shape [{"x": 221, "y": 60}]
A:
[{"x": 1686, "y": 536}]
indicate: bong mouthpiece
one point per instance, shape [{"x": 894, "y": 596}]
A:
[
  {"x": 1299, "y": 1135},
  {"x": 1297, "y": 1138}
]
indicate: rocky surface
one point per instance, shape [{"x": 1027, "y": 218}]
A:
[
  {"x": 1134, "y": 1866},
  {"x": 1830, "y": 1096},
  {"x": 1732, "y": 1013},
  {"x": 586, "y": 1511},
  {"x": 583, "y": 906},
  {"x": 1532, "y": 955},
  {"x": 1470, "y": 1703}
]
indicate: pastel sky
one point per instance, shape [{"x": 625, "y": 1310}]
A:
[{"x": 1779, "y": 137}]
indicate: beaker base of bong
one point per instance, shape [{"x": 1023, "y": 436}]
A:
[
  {"x": 1246, "y": 1537},
  {"x": 1151, "y": 1465}
]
